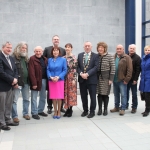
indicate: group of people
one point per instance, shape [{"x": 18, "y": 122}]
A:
[{"x": 54, "y": 70}]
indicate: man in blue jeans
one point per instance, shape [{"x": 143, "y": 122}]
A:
[
  {"x": 136, "y": 63},
  {"x": 20, "y": 56},
  {"x": 38, "y": 82},
  {"x": 123, "y": 65}
]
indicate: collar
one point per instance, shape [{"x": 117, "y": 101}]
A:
[
  {"x": 88, "y": 53},
  {"x": 5, "y": 54}
]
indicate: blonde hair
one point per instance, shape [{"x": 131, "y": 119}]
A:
[{"x": 146, "y": 47}]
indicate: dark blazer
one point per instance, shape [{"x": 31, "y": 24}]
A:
[
  {"x": 91, "y": 70},
  {"x": 7, "y": 74},
  {"x": 20, "y": 70},
  {"x": 35, "y": 72},
  {"x": 136, "y": 62},
  {"x": 47, "y": 51}
]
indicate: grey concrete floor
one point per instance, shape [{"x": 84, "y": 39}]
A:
[{"x": 111, "y": 132}]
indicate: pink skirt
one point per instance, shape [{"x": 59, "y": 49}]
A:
[{"x": 56, "y": 90}]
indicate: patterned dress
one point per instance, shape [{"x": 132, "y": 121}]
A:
[
  {"x": 71, "y": 89},
  {"x": 106, "y": 72}
]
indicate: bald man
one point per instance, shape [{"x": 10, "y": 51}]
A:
[
  {"x": 38, "y": 77},
  {"x": 123, "y": 74},
  {"x": 87, "y": 71}
]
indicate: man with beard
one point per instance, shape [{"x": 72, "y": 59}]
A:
[
  {"x": 21, "y": 60},
  {"x": 47, "y": 54}
]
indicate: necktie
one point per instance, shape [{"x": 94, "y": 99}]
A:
[
  {"x": 86, "y": 58},
  {"x": 9, "y": 61}
]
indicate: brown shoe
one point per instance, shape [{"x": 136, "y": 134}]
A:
[
  {"x": 114, "y": 110},
  {"x": 133, "y": 111},
  {"x": 16, "y": 120},
  {"x": 27, "y": 117},
  {"x": 122, "y": 112}
]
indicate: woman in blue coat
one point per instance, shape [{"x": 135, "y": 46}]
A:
[
  {"x": 56, "y": 71},
  {"x": 145, "y": 79}
]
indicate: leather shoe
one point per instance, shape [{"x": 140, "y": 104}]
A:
[
  {"x": 6, "y": 128},
  {"x": 145, "y": 114},
  {"x": 66, "y": 113},
  {"x": 91, "y": 115},
  {"x": 12, "y": 124},
  {"x": 49, "y": 111},
  {"x": 42, "y": 114},
  {"x": 35, "y": 117},
  {"x": 84, "y": 114},
  {"x": 62, "y": 110}
]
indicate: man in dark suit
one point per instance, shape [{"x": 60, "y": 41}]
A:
[
  {"x": 87, "y": 71},
  {"x": 8, "y": 81},
  {"x": 47, "y": 54}
]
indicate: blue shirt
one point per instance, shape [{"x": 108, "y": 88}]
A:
[{"x": 116, "y": 66}]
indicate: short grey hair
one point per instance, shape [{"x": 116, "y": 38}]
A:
[
  {"x": 4, "y": 44},
  {"x": 132, "y": 45},
  {"x": 54, "y": 36}
]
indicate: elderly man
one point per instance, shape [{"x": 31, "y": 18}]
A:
[
  {"x": 123, "y": 65},
  {"x": 136, "y": 63},
  {"x": 47, "y": 54},
  {"x": 87, "y": 71},
  {"x": 20, "y": 56},
  {"x": 38, "y": 82},
  {"x": 8, "y": 81}
]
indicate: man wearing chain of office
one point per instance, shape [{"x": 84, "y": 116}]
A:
[{"x": 87, "y": 71}]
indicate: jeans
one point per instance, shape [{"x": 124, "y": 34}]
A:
[
  {"x": 120, "y": 89},
  {"x": 133, "y": 88},
  {"x": 42, "y": 99},
  {"x": 25, "y": 95}
]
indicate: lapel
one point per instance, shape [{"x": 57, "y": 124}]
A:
[
  {"x": 12, "y": 62},
  {"x": 6, "y": 62},
  {"x": 82, "y": 64},
  {"x": 91, "y": 58}
]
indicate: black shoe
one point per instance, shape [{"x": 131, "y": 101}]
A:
[
  {"x": 12, "y": 124},
  {"x": 6, "y": 128},
  {"x": 35, "y": 117},
  {"x": 91, "y": 115},
  {"x": 145, "y": 114},
  {"x": 105, "y": 112},
  {"x": 43, "y": 114},
  {"x": 62, "y": 110},
  {"x": 66, "y": 113},
  {"x": 85, "y": 113},
  {"x": 49, "y": 111},
  {"x": 99, "y": 112},
  {"x": 70, "y": 113}
]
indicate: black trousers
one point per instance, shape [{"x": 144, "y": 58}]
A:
[
  {"x": 147, "y": 100},
  {"x": 49, "y": 102},
  {"x": 84, "y": 88}
]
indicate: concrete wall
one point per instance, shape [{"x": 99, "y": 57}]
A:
[
  {"x": 148, "y": 18},
  {"x": 75, "y": 21}
]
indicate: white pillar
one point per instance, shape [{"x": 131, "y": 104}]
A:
[{"x": 138, "y": 28}]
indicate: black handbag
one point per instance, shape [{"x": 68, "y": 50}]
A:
[{"x": 142, "y": 94}]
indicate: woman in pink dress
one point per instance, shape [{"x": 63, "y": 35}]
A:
[{"x": 56, "y": 71}]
